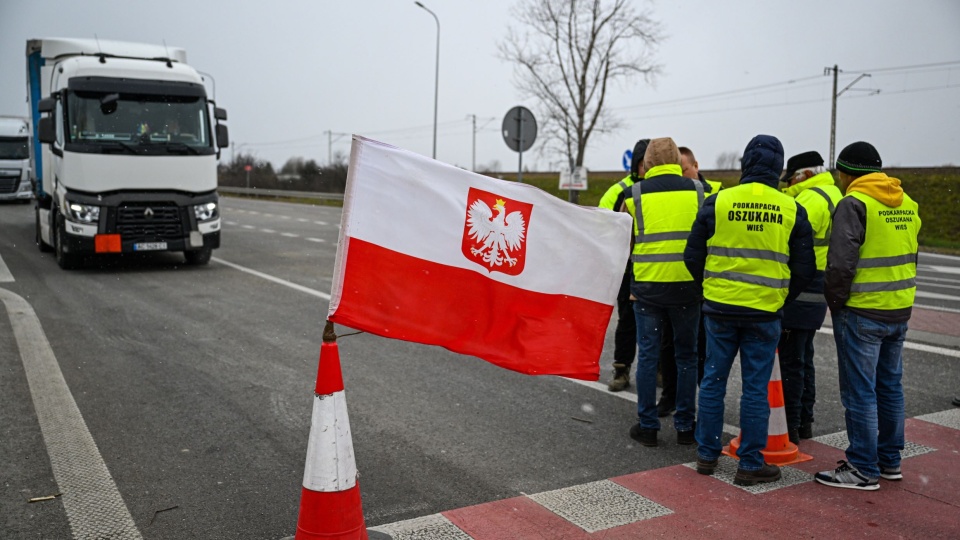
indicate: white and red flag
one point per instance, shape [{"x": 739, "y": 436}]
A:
[{"x": 503, "y": 271}]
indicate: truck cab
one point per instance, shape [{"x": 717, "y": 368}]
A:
[
  {"x": 15, "y": 159},
  {"x": 125, "y": 150}
]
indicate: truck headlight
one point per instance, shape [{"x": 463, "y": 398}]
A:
[
  {"x": 205, "y": 211},
  {"x": 84, "y": 213}
]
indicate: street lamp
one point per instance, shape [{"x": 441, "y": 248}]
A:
[{"x": 436, "y": 84}]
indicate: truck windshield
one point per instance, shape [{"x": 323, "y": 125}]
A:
[
  {"x": 14, "y": 148},
  {"x": 146, "y": 121}
]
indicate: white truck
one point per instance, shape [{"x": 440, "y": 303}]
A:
[
  {"x": 124, "y": 150},
  {"x": 14, "y": 159}
]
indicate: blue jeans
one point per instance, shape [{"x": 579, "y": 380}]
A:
[
  {"x": 757, "y": 343},
  {"x": 684, "y": 320},
  {"x": 799, "y": 376},
  {"x": 871, "y": 366}
]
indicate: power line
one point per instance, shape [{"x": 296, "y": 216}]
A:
[{"x": 907, "y": 68}]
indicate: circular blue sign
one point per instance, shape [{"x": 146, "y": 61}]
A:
[{"x": 627, "y": 158}]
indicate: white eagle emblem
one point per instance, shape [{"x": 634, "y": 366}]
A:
[{"x": 498, "y": 234}]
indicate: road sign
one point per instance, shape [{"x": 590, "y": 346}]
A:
[
  {"x": 248, "y": 168},
  {"x": 575, "y": 180},
  {"x": 519, "y": 129},
  {"x": 627, "y": 158}
]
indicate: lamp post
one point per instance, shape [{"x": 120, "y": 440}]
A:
[{"x": 436, "y": 84}]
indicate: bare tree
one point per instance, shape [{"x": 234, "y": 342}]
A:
[
  {"x": 566, "y": 57},
  {"x": 728, "y": 161}
]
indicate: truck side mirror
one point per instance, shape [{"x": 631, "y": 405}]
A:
[
  {"x": 219, "y": 114},
  {"x": 47, "y": 105},
  {"x": 47, "y": 131},
  {"x": 223, "y": 137}
]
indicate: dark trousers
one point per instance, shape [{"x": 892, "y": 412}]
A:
[
  {"x": 668, "y": 363},
  {"x": 797, "y": 374},
  {"x": 625, "y": 336}
]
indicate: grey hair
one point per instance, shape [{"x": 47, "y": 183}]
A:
[{"x": 815, "y": 170}]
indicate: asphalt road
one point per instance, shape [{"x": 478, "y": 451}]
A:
[{"x": 196, "y": 384}]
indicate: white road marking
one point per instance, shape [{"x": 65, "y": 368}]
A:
[
  {"x": 302, "y": 220},
  {"x": 230, "y": 223},
  {"x": 316, "y": 239},
  {"x": 912, "y": 345},
  {"x": 936, "y": 296},
  {"x": 944, "y": 269},
  {"x": 936, "y": 308},
  {"x": 274, "y": 279},
  {"x": 91, "y": 500},
  {"x": 5, "y": 275},
  {"x": 321, "y": 222},
  {"x": 290, "y": 235},
  {"x": 248, "y": 226},
  {"x": 268, "y": 230}
]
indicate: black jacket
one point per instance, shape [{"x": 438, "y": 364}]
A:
[{"x": 762, "y": 162}]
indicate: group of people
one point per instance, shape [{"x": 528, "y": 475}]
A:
[{"x": 753, "y": 269}]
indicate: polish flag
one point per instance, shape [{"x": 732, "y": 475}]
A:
[{"x": 434, "y": 254}]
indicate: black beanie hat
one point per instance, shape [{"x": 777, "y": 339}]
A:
[
  {"x": 801, "y": 161},
  {"x": 858, "y": 159},
  {"x": 639, "y": 150}
]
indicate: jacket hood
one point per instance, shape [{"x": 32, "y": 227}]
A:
[
  {"x": 879, "y": 186},
  {"x": 822, "y": 179},
  {"x": 762, "y": 161}
]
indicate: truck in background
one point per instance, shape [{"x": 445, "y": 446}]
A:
[
  {"x": 124, "y": 150},
  {"x": 15, "y": 159}
]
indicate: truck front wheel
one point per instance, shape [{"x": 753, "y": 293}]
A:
[
  {"x": 67, "y": 261},
  {"x": 198, "y": 257}
]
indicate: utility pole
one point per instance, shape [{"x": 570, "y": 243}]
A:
[
  {"x": 473, "y": 163},
  {"x": 329, "y": 147},
  {"x": 833, "y": 114}
]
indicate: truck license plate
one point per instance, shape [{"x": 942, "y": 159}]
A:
[{"x": 150, "y": 246}]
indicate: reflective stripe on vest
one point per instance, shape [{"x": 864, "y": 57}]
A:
[
  {"x": 748, "y": 253},
  {"x": 661, "y": 225},
  {"x": 609, "y": 199},
  {"x": 821, "y": 235},
  {"x": 887, "y": 269}
]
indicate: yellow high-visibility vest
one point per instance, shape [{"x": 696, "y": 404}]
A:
[
  {"x": 609, "y": 198},
  {"x": 661, "y": 224},
  {"x": 887, "y": 269},
  {"x": 748, "y": 253}
]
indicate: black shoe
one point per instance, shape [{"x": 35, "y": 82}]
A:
[
  {"x": 794, "y": 435},
  {"x": 644, "y": 436},
  {"x": 805, "y": 431},
  {"x": 706, "y": 466},
  {"x": 686, "y": 438},
  {"x": 666, "y": 407},
  {"x": 768, "y": 473},
  {"x": 956, "y": 401}
]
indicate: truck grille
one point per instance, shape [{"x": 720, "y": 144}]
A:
[
  {"x": 149, "y": 222},
  {"x": 9, "y": 182}
]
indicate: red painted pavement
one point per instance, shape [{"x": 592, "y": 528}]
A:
[
  {"x": 925, "y": 504},
  {"x": 938, "y": 322}
]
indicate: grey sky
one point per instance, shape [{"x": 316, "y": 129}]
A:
[{"x": 288, "y": 71}]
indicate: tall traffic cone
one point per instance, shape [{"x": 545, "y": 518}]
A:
[
  {"x": 779, "y": 450},
  {"x": 330, "y": 500}
]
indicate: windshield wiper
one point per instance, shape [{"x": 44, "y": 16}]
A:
[
  {"x": 118, "y": 145},
  {"x": 177, "y": 146}
]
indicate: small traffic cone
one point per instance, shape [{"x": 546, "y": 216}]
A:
[
  {"x": 330, "y": 504},
  {"x": 779, "y": 450}
]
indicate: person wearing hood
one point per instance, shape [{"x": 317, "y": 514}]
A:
[
  {"x": 813, "y": 188},
  {"x": 751, "y": 247},
  {"x": 625, "y": 335},
  {"x": 663, "y": 206},
  {"x": 870, "y": 285}
]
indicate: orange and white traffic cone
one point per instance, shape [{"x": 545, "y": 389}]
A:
[
  {"x": 330, "y": 504},
  {"x": 779, "y": 450}
]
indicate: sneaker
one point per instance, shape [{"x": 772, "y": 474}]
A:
[
  {"x": 666, "y": 407},
  {"x": 644, "y": 436},
  {"x": 846, "y": 476},
  {"x": 891, "y": 473},
  {"x": 621, "y": 378},
  {"x": 805, "y": 431},
  {"x": 767, "y": 473},
  {"x": 706, "y": 466},
  {"x": 794, "y": 435},
  {"x": 686, "y": 438}
]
